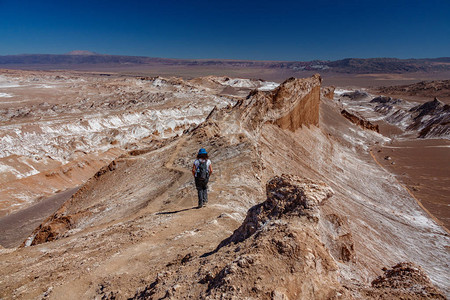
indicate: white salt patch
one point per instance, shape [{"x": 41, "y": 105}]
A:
[
  {"x": 7, "y": 83},
  {"x": 23, "y": 197},
  {"x": 158, "y": 82},
  {"x": 419, "y": 221},
  {"x": 30, "y": 240},
  {"x": 46, "y": 86},
  {"x": 238, "y": 82},
  {"x": 339, "y": 92},
  {"x": 6, "y": 168},
  {"x": 185, "y": 233},
  {"x": 5, "y": 95},
  {"x": 27, "y": 174},
  {"x": 171, "y": 124},
  {"x": 140, "y": 132},
  {"x": 33, "y": 171},
  {"x": 9, "y": 169},
  {"x": 248, "y": 83},
  {"x": 268, "y": 86},
  {"x": 95, "y": 124}
]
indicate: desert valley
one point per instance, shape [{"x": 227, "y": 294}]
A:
[{"x": 331, "y": 186}]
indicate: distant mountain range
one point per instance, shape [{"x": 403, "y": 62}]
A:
[{"x": 79, "y": 58}]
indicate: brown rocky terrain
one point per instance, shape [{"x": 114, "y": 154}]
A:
[
  {"x": 430, "y": 119},
  {"x": 403, "y": 281},
  {"x": 423, "y": 90},
  {"x": 425, "y": 120},
  {"x": 325, "y": 231}
]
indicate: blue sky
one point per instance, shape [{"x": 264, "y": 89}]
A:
[{"x": 261, "y": 30}]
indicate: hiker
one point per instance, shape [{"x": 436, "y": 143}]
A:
[{"x": 202, "y": 170}]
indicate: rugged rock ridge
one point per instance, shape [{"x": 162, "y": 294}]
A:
[
  {"x": 293, "y": 104},
  {"x": 55, "y": 226},
  {"x": 93, "y": 201},
  {"x": 427, "y": 120},
  {"x": 403, "y": 281},
  {"x": 278, "y": 253},
  {"x": 360, "y": 121},
  {"x": 431, "y": 119},
  {"x": 384, "y": 104},
  {"x": 287, "y": 195},
  {"x": 275, "y": 254}
]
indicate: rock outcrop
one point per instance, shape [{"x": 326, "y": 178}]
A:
[
  {"x": 293, "y": 104},
  {"x": 430, "y": 119},
  {"x": 360, "y": 121},
  {"x": 276, "y": 253},
  {"x": 403, "y": 281},
  {"x": 287, "y": 195},
  {"x": 328, "y": 92},
  {"x": 425, "y": 89}
]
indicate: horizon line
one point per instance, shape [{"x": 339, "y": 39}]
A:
[{"x": 91, "y": 53}]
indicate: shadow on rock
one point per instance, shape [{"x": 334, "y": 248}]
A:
[{"x": 175, "y": 211}]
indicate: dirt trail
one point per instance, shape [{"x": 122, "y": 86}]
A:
[
  {"x": 185, "y": 174},
  {"x": 163, "y": 203}
]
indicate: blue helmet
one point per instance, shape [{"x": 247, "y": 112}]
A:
[{"x": 202, "y": 151}]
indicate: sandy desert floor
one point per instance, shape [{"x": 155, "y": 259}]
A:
[{"x": 422, "y": 166}]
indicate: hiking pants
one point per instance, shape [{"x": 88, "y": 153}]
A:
[{"x": 202, "y": 190}]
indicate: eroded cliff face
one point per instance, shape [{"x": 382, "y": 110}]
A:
[
  {"x": 293, "y": 104},
  {"x": 305, "y": 110},
  {"x": 360, "y": 121},
  {"x": 321, "y": 232},
  {"x": 328, "y": 92}
]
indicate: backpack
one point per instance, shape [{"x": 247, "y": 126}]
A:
[{"x": 202, "y": 171}]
